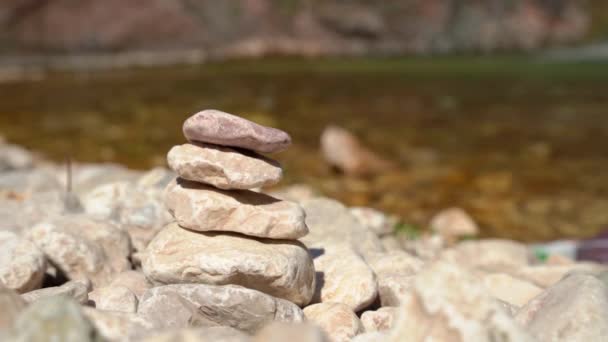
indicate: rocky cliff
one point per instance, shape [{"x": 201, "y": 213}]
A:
[{"x": 302, "y": 27}]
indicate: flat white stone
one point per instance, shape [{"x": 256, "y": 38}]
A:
[
  {"x": 223, "y": 167},
  {"x": 281, "y": 268},
  {"x": 203, "y": 208}
]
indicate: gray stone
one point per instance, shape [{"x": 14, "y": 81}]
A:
[
  {"x": 82, "y": 247},
  {"x": 13, "y": 157},
  {"x": 203, "y": 208},
  {"x": 22, "y": 264},
  {"x": 138, "y": 210},
  {"x": 573, "y": 310},
  {"x": 76, "y": 289},
  {"x": 118, "y": 326},
  {"x": 375, "y": 220},
  {"x": 54, "y": 319},
  {"x": 329, "y": 222},
  {"x": 188, "y": 305},
  {"x": 281, "y": 268},
  {"x": 216, "y": 127},
  {"x": 223, "y": 167}
]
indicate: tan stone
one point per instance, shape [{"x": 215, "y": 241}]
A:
[
  {"x": 337, "y": 320},
  {"x": 11, "y": 305},
  {"x": 203, "y": 208},
  {"x": 379, "y": 320},
  {"x": 343, "y": 277},
  {"x": 514, "y": 291},
  {"x": 22, "y": 264},
  {"x": 395, "y": 262},
  {"x": 281, "y": 268},
  {"x": 186, "y": 305},
  {"x": 454, "y": 223},
  {"x": 342, "y": 149},
  {"x": 135, "y": 281},
  {"x": 220, "y": 128},
  {"x": 206, "y": 334},
  {"x": 376, "y": 221},
  {"x": 392, "y": 288},
  {"x": 329, "y": 221},
  {"x": 292, "y": 332},
  {"x": 76, "y": 289},
  {"x": 82, "y": 247},
  {"x": 223, "y": 167},
  {"x": 548, "y": 275},
  {"x": 574, "y": 310},
  {"x": 490, "y": 254},
  {"x": 118, "y": 326},
  {"x": 114, "y": 298},
  {"x": 448, "y": 303}
]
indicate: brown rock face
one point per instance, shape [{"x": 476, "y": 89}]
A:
[
  {"x": 216, "y": 127},
  {"x": 260, "y": 27}
]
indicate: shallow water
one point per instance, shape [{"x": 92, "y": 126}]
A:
[{"x": 520, "y": 145}]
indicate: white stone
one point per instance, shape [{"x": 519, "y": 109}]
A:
[
  {"x": 379, "y": 320},
  {"x": 337, "y": 320},
  {"x": 76, "y": 289},
  {"x": 223, "y": 167},
  {"x": 203, "y": 208},
  {"x": 187, "y": 305},
  {"x": 507, "y": 288},
  {"x": 281, "y": 268},
  {"x": 573, "y": 310},
  {"x": 331, "y": 222},
  {"x": 454, "y": 223},
  {"x": 22, "y": 264},
  {"x": 114, "y": 298},
  {"x": 292, "y": 332},
  {"x": 490, "y": 254},
  {"x": 448, "y": 303},
  {"x": 82, "y": 247},
  {"x": 343, "y": 277},
  {"x": 375, "y": 220}
]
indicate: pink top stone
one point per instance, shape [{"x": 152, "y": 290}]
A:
[{"x": 216, "y": 127}]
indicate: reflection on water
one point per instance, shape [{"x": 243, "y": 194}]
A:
[{"x": 525, "y": 154}]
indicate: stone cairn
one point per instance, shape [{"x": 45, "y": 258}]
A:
[{"x": 225, "y": 232}]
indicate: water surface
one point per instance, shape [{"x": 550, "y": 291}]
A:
[{"x": 519, "y": 144}]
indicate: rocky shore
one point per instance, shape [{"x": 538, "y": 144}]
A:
[{"x": 204, "y": 252}]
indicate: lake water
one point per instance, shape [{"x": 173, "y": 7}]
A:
[{"x": 520, "y": 145}]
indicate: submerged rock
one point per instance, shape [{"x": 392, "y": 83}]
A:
[{"x": 342, "y": 149}]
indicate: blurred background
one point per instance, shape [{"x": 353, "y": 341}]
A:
[{"x": 495, "y": 106}]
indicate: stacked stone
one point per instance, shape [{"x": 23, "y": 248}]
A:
[{"x": 225, "y": 233}]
